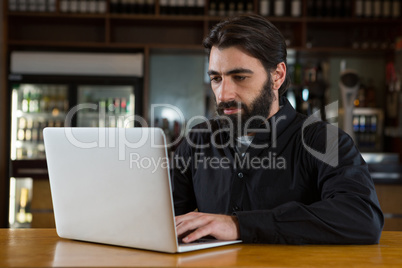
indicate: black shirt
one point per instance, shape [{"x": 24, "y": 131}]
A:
[{"x": 300, "y": 182}]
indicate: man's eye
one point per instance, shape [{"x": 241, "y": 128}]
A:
[
  {"x": 215, "y": 79},
  {"x": 239, "y": 77}
]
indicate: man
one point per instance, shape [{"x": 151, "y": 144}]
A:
[{"x": 260, "y": 171}]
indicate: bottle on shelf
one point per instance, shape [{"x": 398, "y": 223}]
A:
[
  {"x": 92, "y": 6},
  {"x": 163, "y": 7},
  {"x": 296, "y": 8},
  {"x": 12, "y": 5},
  {"x": 311, "y": 10},
  {"x": 386, "y": 9},
  {"x": 101, "y": 6},
  {"x": 359, "y": 8},
  {"x": 368, "y": 9},
  {"x": 213, "y": 8},
  {"x": 200, "y": 7},
  {"x": 73, "y": 6},
  {"x": 329, "y": 8},
  {"x": 240, "y": 7},
  {"x": 377, "y": 10},
  {"x": 396, "y": 9},
  {"x": 250, "y": 6},
  {"x": 150, "y": 7},
  {"x": 265, "y": 8},
  {"x": 279, "y": 8},
  {"x": 22, "y": 5},
  {"x": 83, "y": 6},
  {"x": 26, "y": 99},
  {"x": 114, "y": 6},
  {"x": 319, "y": 7},
  {"x": 31, "y": 6}
]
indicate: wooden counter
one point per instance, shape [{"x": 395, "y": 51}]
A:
[{"x": 43, "y": 248}]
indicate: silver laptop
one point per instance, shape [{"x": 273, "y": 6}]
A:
[{"x": 112, "y": 186}]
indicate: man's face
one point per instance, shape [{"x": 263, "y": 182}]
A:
[{"x": 242, "y": 89}]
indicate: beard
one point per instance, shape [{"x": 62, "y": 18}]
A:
[{"x": 251, "y": 117}]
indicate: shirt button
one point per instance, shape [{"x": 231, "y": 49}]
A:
[
  {"x": 235, "y": 208},
  {"x": 240, "y": 175}
]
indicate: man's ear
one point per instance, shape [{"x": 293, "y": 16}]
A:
[{"x": 278, "y": 76}]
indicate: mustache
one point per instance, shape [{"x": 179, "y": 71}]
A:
[{"x": 230, "y": 104}]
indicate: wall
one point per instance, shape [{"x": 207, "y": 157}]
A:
[{"x": 177, "y": 79}]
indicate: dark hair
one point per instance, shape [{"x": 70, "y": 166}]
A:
[{"x": 257, "y": 36}]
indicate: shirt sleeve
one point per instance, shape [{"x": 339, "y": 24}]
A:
[
  {"x": 182, "y": 184},
  {"x": 348, "y": 212}
]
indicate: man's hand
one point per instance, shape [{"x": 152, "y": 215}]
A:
[{"x": 222, "y": 227}]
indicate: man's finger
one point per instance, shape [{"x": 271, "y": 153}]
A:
[
  {"x": 185, "y": 217},
  {"x": 197, "y": 234},
  {"x": 192, "y": 224}
]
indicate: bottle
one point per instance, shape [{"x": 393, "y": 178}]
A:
[
  {"x": 181, "y": 7},
  {"x": 31, "y": 5},
  {"x": 50, "y": 5},
  {"x": 12, "y": 5},
  {"x": 163, "y": 9},
  {"x": 64, "y": 6},
  {"x": 296, "y": 8},
  {"x": 26, "y": 99},
  {"x": 221, "y": 8},
  {"x": 311, "y": 10},
  {"x": 83, "y": 6},
  {"x": 123, "y": 104},
  {"x": 240, "y": 7},
  {"x": 250, "y": 6},
  {"x": 190, "y": 7},
  {"x": 132, "y": 6},
  {"x": 34, "y": 103},
  {"x": 231, "y": 8},
  {"x": 200, "y": 7},
  {"x": 22, "y": 5},
  {"x": 377, "y": 9},
  {"x": 265, "y": 8},
  {"x": 45, "y": 100},
  {"x": 396, "y": 9},
  {"x": 35, "y": 132},
  {"x": 359, "y": 8},
  {"x": 73, "y": 6},
  {"x": 151, "y": 6},
  {"x": 368, "y": 9},
  {"x": 114, "y": 6},
  {"x": 101, "y": 6},
  {"x": 42, "y": 5},
  {"x": 92, "y": 6},
  {"x": 386, "y": 8},
  {"x": 319, "y": 6},
  {"x": 141, "y": 7},
  {"x": 52, "y": 98},
  {"x": 28, "y": 130},
  {"x": 124, "y": 6},
  {"x": 22, "y": 122},
  {"x": 279, "y": 8}
]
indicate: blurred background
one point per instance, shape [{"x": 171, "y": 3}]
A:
[{"x": 119, "y": 58}]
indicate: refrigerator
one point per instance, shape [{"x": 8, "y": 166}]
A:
[{"x": 63, "y": 89}]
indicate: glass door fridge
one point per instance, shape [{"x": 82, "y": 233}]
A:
[{"x": 58, "y": 89}]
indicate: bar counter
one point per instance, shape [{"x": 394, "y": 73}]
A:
[{"x": 43, "y": 248}]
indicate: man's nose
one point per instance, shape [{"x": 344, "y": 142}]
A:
[{"x": 227, "y": 91}]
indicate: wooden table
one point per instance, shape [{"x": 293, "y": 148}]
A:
[{"x": 43, "y": 248}]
